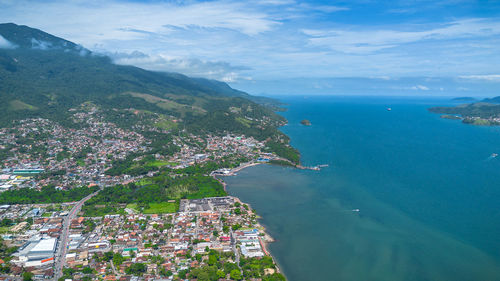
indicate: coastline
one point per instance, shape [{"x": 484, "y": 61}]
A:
[{"x": 264, "y": 243}]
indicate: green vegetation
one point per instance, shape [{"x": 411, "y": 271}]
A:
[
  {"x": 47, "y": 194},
  {"x": 154, "y": 196},
  {"x": 68, "y": 273},
  {"x": 71, "y": 77},
  {"x": 284, "y": 150},
  {"x": 281, "y": 163},
  {"x": 254, "y": 268},
  {"x": 479, "y": 122},
  {"x": 157, "y": 163},
  {"x": 134, "y": 168},
  {"x": 6, "y": 256},
  {"x": 218, "y": 267},
  {"x": 137, "y": 269},
  {"x": 161, "y": 208},
  {"x": 479, "y": 113},
  {"x": 19, "y": 105}
]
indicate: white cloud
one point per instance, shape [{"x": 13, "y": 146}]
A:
[
  {"x": 412, "y": 88},
  {"x": 489, "y": 77},
  {"x": 218, "y": 70},
  {"x": 95, "y": 20},
  {"x": 276, "y": 2},
  {"x": 420, "y": 87},
  {"x": 6, "y": 44},
  {"x": 369, "y": 40},
  {"x": 266, "y": 39}
]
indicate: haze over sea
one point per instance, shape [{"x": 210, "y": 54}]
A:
[{"x": 427, "y": 190}]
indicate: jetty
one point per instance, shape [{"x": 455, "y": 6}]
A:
[{"x": 314, "y": 168}]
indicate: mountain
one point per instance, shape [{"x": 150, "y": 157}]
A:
[
  {"x": 492, "y": 100},
  {"x": 45, "y": 74},
  {"x": 464, "y": 99}
]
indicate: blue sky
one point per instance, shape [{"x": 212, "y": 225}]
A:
[{"x": 400, "y": 47}]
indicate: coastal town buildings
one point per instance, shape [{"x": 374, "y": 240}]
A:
[{"x": 165, "y": 244}]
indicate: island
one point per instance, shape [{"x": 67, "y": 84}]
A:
[
  {"x": 484, "y": 113},
  {"x": 305, "y": 122},
  {"x": 464, "y": 99}
]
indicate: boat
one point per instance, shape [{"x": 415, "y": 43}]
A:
[
  {"x": 355, "y": 210},
  {"x": 389, "y": 109},
  {"x": 494, "y": 155}
]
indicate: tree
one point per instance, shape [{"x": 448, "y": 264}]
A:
[
  {"x": 235, "y": 274},
  {"x": 87, "y": 270},
  {"x": 118, "y": 259},
  {"x": 212, "y": 260},
  {"x": 136, "y": 269},
  {"x": 221, "y": 274},
  {"x": 108, "y": 256},
  {"x": 27, "y": 276}
]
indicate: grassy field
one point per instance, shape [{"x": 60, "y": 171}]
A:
[
  {"x": 162, "y": 208},
  {"x": 156, "y": 208},
  {"x": 4, "y": 229},
  {"x": 19, "y": 105},
  {"x": 133, "y": 206},
  {"x": 166, "y": 124},
  {"x": 159, "y": 163},
  {"x": 145, "y": 181},
  {"x": 247, "y": 123}
]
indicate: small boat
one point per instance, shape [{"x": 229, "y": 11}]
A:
[
  {"x": 355, "y": 210},
  {"x": 494, "y": 155},
  {"x": 389, "y": 109}
]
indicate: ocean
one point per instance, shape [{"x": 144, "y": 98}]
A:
[{"x": 426, "y": 188}]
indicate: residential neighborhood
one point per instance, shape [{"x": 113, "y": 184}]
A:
[{"x": 112, "y": 247}]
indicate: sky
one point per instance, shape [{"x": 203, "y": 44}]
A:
[{"x": 279, "y": 47}]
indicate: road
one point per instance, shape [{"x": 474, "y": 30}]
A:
[
  {"x": 235, "y": 250},
  {"x": 60, "y": 258}
]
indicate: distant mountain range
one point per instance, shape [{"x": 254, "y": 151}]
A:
[
  {"x": 464, "y": 99},
  {"x": 42, "y": 75}
]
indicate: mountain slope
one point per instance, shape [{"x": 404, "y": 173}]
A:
[
  {"x": 49, "y": 77},
  {"x": 46, "y": 73}
]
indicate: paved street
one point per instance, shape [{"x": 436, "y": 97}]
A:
[{"x": 61, "y": 250}]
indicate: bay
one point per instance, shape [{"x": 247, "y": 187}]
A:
[{"x": 426, "y": 188}]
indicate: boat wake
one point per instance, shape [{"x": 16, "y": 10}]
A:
[{"x": 492, "y": 156}]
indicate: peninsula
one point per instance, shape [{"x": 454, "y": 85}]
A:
[{"x": 484, "y": 113}]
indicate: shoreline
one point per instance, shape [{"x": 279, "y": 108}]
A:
[
  {"x": 268, "y": 239},
  {"x": 265, "y": 242}
]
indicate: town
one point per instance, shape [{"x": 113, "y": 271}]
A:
[
  {"x": 201, "y": 238},
  {"x": 38, "y": 152},
  {"x": 220, "y": 232}
]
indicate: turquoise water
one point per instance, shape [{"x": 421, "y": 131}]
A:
[{"x": 427, "y": 191}]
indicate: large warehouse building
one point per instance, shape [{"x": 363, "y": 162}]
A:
[{"x": 38, "y": 252}]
